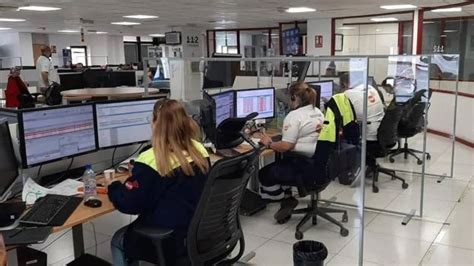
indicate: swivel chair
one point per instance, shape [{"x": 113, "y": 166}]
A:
[
  {"x": 318, "y": 166},
  {"x": 215, "y": 228},
  {"x": 387, "y": 138},
  {"x": 411, "y": 123}
]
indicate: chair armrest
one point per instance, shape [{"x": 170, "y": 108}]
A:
[{"x": 152, "y": 233}]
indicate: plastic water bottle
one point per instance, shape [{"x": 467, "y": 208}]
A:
[{"x": 90, "y": 183}]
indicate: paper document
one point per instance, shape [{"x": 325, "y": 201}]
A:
[{"x": 32, "y": 191}]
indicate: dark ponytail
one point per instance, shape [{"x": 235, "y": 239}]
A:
[{"x": 303, "y": 91}]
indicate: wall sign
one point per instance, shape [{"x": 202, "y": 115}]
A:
[
  {"x": 318, "y": 41},
  {"x": 192, "y": 40}
]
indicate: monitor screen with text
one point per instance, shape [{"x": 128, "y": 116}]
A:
[
  {"x": 261, "y": 101},
  {"x": 122, "y": 123},
  {"x": 51, "y": 134},
  {"x": 225, "y": 103}
]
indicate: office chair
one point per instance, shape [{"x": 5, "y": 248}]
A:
[
  {"x": 215, "y": 228},
  {"x": 387, "y": 137},
  {"x": 411, "y": 123},
  {"x": 318, "y": 166}
]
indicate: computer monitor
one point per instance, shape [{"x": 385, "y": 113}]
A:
[
  {"x": 327, "y": 90},
  {"x": 225, "y": 106},
  {"x": 121, "y": 123},
  {"x": 317, "y": 88},
  {"x": 55, "y": 133},
  {"x": 9, "y": 165},
  {"x": 261, "y": 101}
]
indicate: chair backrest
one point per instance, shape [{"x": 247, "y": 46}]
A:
[
  {"x": 387, "y": 134},
  {"x": 215, "y": 228},
  {"x": 413, "y": 115}
]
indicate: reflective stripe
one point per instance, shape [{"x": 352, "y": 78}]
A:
[{"x": 148, "y": 157}]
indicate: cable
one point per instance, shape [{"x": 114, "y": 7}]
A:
[
  {"x": 95, "y": 238},
  {"x": 113, "y": 157},
  {"x": 39, "y": 171},
  {"x": 63, "y": 175}
]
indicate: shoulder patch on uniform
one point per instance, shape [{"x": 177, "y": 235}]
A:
[{"x": 130, "y": 185}]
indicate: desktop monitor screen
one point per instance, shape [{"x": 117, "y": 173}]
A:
[
  {"x": 8, "y": 166},
  {"x": 51, "y": 134},
  {"x": 261, "y": 101},
  {"x": 327, "y": 91},
  {"x": 124, "y": 122},
  {"x": 225, "y": 106}
]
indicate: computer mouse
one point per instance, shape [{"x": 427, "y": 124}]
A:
[{"x": 93, "y": 203}]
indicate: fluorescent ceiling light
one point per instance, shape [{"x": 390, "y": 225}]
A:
[
  {"x": 346, "y": 28},
  {"x": 68, "y": 31},
  {"x": 5, "y": 28},
  {"x": 125, "y": 23},
  {"x": 444, "y": 36},
  {"x": 300, "y": 10},
  {"x": 451, "y": 9},
  {"x": 428, "y": 22},
  {"x": 141, "y": 16},
  {"x": 101, "y": 32},
  {"x": 225, "y": 22},
  {"x": 157, "y": 35},
  {"x": 450, "y": 31},
  {"x": 12, "y": 19},
  {"x": 394, "y": 7},
  {"x": 38, "y": 8},
  {"x": 407, "y": 36},
  {"x": 383, "y": 19}
]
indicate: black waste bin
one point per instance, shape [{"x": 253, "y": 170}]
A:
[{"x": 309, "y": 253}]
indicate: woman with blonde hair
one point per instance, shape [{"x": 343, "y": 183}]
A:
[{"x": 164, "y": 189}]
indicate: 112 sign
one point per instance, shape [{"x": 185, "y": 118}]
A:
[{"x": 192, "y": 40}]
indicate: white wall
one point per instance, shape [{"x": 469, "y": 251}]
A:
[
  {"x": 26, "y": 48},
  {"x": 10, "y": 47},
  {"x": 318, "y": 27}
]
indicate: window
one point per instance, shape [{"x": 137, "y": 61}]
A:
[{"x": 226, "y": 42}]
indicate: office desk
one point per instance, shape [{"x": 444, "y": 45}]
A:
[
  {"x": 109, "y": 93},
  {"x": 84, "y": 214}
]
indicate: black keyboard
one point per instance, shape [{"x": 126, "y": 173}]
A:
[{"x": 52, "y": 210}]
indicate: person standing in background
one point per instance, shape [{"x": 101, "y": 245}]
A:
[{"x": 47, "y": 73}]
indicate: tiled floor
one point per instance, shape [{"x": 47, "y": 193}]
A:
[{"x": 445, "y": 235}]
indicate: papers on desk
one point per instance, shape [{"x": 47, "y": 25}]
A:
[{"x": 32, "y": 191}]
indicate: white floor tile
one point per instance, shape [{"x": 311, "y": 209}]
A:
[
  {"x": 459, "y": 232},
  {"x": 273, "y": 253},
  {"x": 262, "y": 224},
  {"x": 448, "y": 190},
  {"x": 347, "y": 261},
  {"x": 386, "y": 249},
  {"x": 375, "y": 200},
  {"x": 415, "y": 229},
  {"x": 61, "y": 248},
  {"x": 251, "y": 243},
  {"x": 436, "y": 210},
  {"x": 446, "y": 255}
]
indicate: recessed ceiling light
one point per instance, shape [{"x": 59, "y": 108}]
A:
[
  {"x": 157, "y": 35},
  {"x": 346, "y": 28},
  {"x": 383, "y": 19},
  {"x": 301, "y": 9},
  {"x": 38, "y": 8},
  {"x": 68, "y": 31},
  {"x": 225, "y": 22},
  {"x": 451, "y": 9},
  {"x": 12, "y": 19},
  {"x": 444, "y": 36},
  {"x": 126, "y": 23},
  {"x": 101, "y": 32},
  {"x": 402, "y": 6},
  {"x": 5, "y": 28},
  {"x": 141, "y": 16}
]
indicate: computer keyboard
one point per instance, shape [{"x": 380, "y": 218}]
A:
[{"x": 52, "y": 210}]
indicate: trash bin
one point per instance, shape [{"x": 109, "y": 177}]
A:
[{"x": 309, "y": 253}]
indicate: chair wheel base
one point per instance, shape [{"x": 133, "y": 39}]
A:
[
  {"x": 284, "y": 221},
  {"x": 405, "y": 185},
  {"x": 375, "y": 190},
  {"x": 345, "y": 218},
  {"x": 344, "y": 232},
  {"x": 419, "y": 162},
  {"x": 298, "y": 235},
  {"x": 391, "y": 160}
]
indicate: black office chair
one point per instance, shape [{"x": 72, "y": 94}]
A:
[
  {"x": 411, "y": 123},
  {"x": 215, "y": 228},
  {"x": 319, "y": 165},
  {"x": 387, "y": 138}
]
